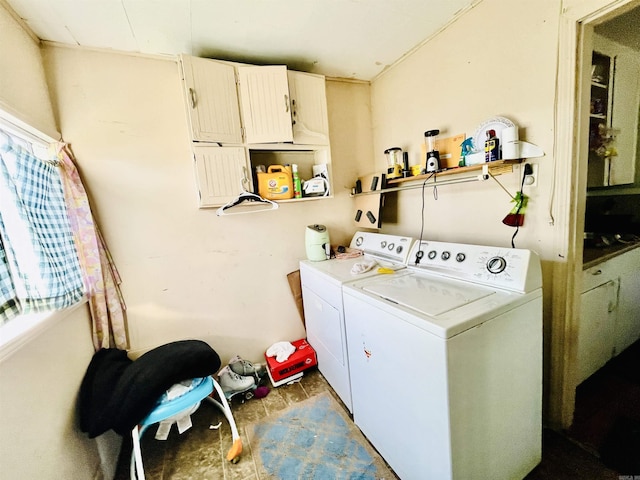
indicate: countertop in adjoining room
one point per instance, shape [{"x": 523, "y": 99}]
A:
[{"x": 592, "y": 256}]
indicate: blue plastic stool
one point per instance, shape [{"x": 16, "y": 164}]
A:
[{"x": 183, "y": 403}]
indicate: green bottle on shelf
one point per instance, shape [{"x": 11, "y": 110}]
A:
[{"x": 297, "y": 187}]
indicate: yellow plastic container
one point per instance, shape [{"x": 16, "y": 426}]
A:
[{"x": 276, "y": 184}]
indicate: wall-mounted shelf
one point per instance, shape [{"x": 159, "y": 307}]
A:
[{"x": 472, "y": 173}]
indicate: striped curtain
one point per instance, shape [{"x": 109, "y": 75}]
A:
[{"x": 39, "y": 268}]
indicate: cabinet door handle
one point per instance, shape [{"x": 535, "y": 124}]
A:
[
  {"x": 192, "y": 94},
  {"x": 286, "y": 103},
  {"x": 597, "y": 272}
]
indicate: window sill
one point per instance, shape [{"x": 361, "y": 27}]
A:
[{"x": 22, "y": 330}]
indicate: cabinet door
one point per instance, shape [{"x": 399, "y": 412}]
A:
[
  {"x": 599, "y": 119},
  {"x": 325, "y": 332},
  {"x": 622, "y": 85},
  {"x": 220, "y": 173},
  {"x": 628, "y": 314},
  {"x": 624, "y": 116},
  {"x": 212, "y": 100},
  {"x": 308, "y": 108},
  {"x": 596, "y": 332},
  {"x": 265, "y": 104}
]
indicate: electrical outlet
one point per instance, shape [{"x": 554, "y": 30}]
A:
[{"x": 531, "y": 180}]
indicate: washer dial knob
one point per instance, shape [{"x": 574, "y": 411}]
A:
[{"x": 496, "y": 265}]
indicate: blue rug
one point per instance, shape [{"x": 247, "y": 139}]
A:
[{"x": 314, "y": 439}]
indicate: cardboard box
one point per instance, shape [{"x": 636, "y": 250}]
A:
[
  {"x": 296, "y": 290},
  {"x": 293, "y": 378},
  {"x": 303, "y": 358}
]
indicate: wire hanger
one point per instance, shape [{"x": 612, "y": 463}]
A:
[{"x": 246, "y": 196}]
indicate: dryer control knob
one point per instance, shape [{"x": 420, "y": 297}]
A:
[{"x": 496, "y": 265}]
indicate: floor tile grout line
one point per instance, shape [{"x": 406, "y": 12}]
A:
[{"x": 253, "y": 460}]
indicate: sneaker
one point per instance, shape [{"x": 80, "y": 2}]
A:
[
  {"x": 231, "y": 382},
  {"x": 245, "y": 367}
]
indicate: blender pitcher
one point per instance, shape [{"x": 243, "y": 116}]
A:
[
  {"x": 433, "y": 155},
  {"x": 394, "y": 162}
]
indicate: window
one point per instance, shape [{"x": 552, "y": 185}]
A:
[{"x": 39, "y": 267}]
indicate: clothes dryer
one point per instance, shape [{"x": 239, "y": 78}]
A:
[{"x": 322, "y": 297}]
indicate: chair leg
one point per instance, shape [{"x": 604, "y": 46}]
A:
[
  {"x": 236, "y": 449},
  {"x": 136, "y": 456}
]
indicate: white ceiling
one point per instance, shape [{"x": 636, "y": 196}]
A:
[{"x": 340, "y": 38}]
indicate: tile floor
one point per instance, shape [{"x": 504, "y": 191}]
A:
[{"x": 199, "y": 453}]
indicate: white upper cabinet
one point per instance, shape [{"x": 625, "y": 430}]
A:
[
  {"x": 266, "y": 104},
  {"x": 308, "y": 108},
  {"x": 624, "y": 116},
  {"x": 212, "y": 100},
  {"x": 243, "y": 116},
  {"x": 220, "y": 173},
  {"x": 280, "y": 106},
  {"x": 615, "y": 105}
]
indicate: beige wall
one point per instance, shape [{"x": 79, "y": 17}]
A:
[
  {"x": 39, "y": 382},
  {"x": 39, "y": 385},
  {"x": 186, "y": 272},
  {"x": 496, "y": 60},
  {"x": 23, "y": 89}
]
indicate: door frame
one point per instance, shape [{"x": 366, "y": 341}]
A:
[{"x": 575, "y": 44}]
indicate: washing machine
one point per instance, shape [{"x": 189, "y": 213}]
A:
[
  {"x": 446, "y": 362},
  {"x": 322, "y": 297}
]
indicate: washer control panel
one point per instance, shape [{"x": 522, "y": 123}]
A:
[
  {"x": 394, "y": 248},
  {"x": 501, "y": 267}
]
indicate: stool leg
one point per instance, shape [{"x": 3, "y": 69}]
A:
[
  {"x": 236, "y": 449},
  {"x": 136, "y": 456}
]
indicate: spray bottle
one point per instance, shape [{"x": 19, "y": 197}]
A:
[
  {"x": 466, "y": 149},
  {"x": 297, "y": 186}
]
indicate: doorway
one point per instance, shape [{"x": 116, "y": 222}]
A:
[
  {"x": 606, "y": 414},
  {"x": 577, "y": 23}
]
